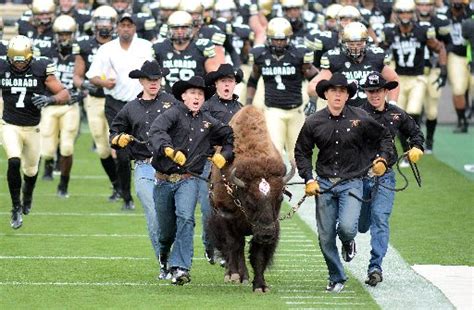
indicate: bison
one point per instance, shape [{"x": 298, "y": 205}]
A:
[{"x": 246, "y": 197}]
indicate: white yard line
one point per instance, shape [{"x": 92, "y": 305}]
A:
[
  {"x": 73, "y": 257},
  {"x": 402, "y": 287},
  {"x": 76, "y": 235},
  {"x": 78, "y": 214}
]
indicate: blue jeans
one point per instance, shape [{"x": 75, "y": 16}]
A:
[
  {"x": 205, "y": 204},
  {"x": 337, "y": 214},
  {"x": 375, "y": 215},
  {"x": 144, "y": 186},
  {"x": 175, "y": 204}
]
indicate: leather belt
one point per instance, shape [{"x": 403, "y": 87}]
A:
[
  {"x": 173, "y": 178},
  {"x": 143, "y": 161}
]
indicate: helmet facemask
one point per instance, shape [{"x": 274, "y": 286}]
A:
[
  {"x": 64, "y": 41},
  {"x": 43, "y": 19},
  {"x": 180, "y": 34},
  {"x": 293, "y": 15},
  {"x": 104, "y": 28},
  {"x": 279, "y": 46},
  {"x": 354, "y": 49},
  {"x": 406, "y": 19}
]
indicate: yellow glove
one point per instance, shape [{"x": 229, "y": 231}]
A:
[
  {"x": 379, "y": 166},
  {"x": 312, "y": 188},
  {"x": 178, "y": 157},
  {"x": 414, "y": 154},
  {"x": 122, "y": 140},
  {"x": 218, "y": 160}
]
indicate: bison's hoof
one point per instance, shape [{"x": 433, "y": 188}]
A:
[
  {"x": 226, "y": 278},
  {"x": 235, "y": 278},
  {"x": 261, "y": 290}
]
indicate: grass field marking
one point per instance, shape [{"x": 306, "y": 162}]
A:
[
  {"x": 167, "y": 283},
  {"x": 75, "y": 235},
  {"x": 78, "y": 177},
  {"x": 319, "y": 297},
  {"x": 75, "y": 257},
  {"x": 325, "y": 303},
  {"x": 77, "y": 214},
  {"x": 418, "y": 294}
]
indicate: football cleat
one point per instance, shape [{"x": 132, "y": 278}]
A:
[{"x": 16, "y": 218}]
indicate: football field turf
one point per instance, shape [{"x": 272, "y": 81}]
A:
[{"x": 84, "y": 252}]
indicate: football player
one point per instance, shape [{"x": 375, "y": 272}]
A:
[
  {"x": 162, "y": 13},
  {"x": 145, "y": 23},
  {"x": 27, "y": 85},
  {"x": 293, "y": 10},
  {"x": 37, "y": 23},
  {"x": 426, "y": 12},
  {"x": 181, "y": 53},
  {"x": 81, "y": 16},
  {"x": 60, "y": 123},
  {"x": 283, "y": 68},
  {"x": 355, "y": 60},
  {"x": 458, "y": 70},
  {"x": 407, "y": 40},
  {"x": 104, "y": 20}
]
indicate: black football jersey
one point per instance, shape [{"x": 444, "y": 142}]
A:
[
  {"x": 87, "y": 49},
  {"x": 336, "y": 60},
  {"x": 19, "y": 88},
  {"x": 64, "y": 65},
  {"x": 246, "y": 9},
  {"x": 282, "y": 76},
  {"x": 146, "y": 26},
  {"x": 442, "y": 27},
  {"x": 83, "y": 19},
  {"x": 242, "y": 34},
  {"x": 409, "y": 49},
  {"x": 3, "y": 47},
  {"x": 320, "y": 42},
  {"x": 458, "y": 44},
  {"x": 183, "y": 64}
]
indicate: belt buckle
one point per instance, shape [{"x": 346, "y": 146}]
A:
[
  {"x": 174, "y": 177},
  {"x": 334, "y": 180}
]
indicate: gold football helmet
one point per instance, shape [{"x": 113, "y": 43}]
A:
[
  {"x": 266, "y": 6},
  {"x": 225, "y": 9},
  {"x": 193, "y": 7},
  {"x": 64, "y": 28},
  {"x": 432, "y": 2},
  {"x": 404, "y": 6},
  {"x": 347, "y": 14},
  {"x": 292, "y": 4},
  {"x": 43, "y": 12},
  {"x": 330, "y": 16},
  {"x": 122, "y": 6},
  {"x": 279, "y": 32},
  {"x": 180, "y": 19},
  {"x": 104, "y": 20},
  {"x": 208, "y": 4},
  {"x": 354, "y": 38},
  {"x": 20, "y": 53},
  {"x": 425, "y": 7}
]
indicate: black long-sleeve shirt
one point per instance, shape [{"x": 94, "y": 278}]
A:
[
  {"x": 193, "y": 135},
  {"x": 222, "y": 109},
  {"x": 136, "y": 117},
  {"x": 397, "y": 120},
  {"x": 342, "y": 141}
]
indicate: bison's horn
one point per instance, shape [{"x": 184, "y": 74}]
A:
[
  {"x": 290, "y": 174},
  {"x": 235, "y": 179}
]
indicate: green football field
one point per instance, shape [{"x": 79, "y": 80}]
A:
[{"x": 84, "y": 252}]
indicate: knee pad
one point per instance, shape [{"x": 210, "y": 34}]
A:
[
  {"x": 67, "y": 148},
  {"x": 30, "y": 171}
]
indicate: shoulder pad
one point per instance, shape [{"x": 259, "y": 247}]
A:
[
  {"x": 441, "y": 16},
  {"x": 207, "y": 48},
  {"x": 334, "y": 52},
  {"x": 43, "y": 66},
  {"x": 424, "y": 24},
  {"x": 377, "y": 50},
  {"x": 150, "y": 24},
  {"x": 76, "y": 48},
  {"x": 84, "y": 12},
  {"x": 324, "y": 62},
  {"x": 364, "y": 11},
  {"x": 389, "y": 25}
]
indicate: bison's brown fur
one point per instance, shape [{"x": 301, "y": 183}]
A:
[{"x": 256, "y": 159}]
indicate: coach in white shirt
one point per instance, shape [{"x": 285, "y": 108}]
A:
[{"x": 109, "y": 69}]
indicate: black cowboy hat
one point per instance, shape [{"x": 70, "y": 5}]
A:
[
  {"x": 375, "y": 81},
  {"x": 223, "y": 71},
  {"x": 337, "y": 79},
  {"x": 150, "y": 70},
  {"x": 195, "y": 82}
]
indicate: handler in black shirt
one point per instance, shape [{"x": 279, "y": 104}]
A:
[
  {"x": 132, "y": 122},
  {"x": 375, "y": 214},
  {"x": 341, "y": 133},
  {"x": 181, "y": 139}
]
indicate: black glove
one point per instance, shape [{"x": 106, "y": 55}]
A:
[
  {"x": 443, "y": 75},
  {"x": 76, "y": 97},
  {"x": 87, "y": 85},
  {"x": 41, "y": 101}
]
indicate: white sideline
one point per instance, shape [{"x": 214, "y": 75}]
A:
[
  {"x": 448, "y": 279},
  {"x": 402, "y": 287}
]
